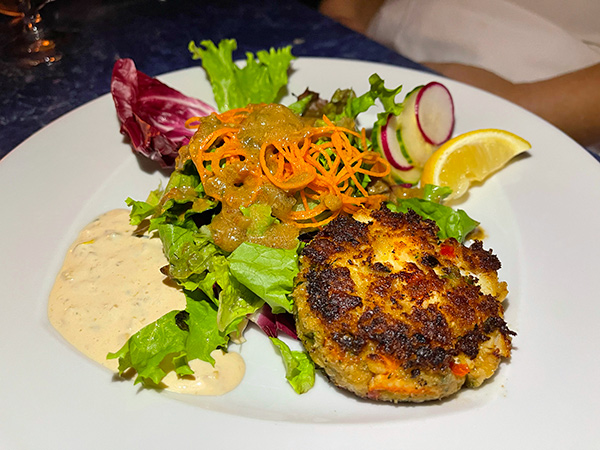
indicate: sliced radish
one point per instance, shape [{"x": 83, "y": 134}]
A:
[
  {"x": 409, "y": 139},
  {"x": 391, "y": 146},
  {"x": 434, "y": 110}
]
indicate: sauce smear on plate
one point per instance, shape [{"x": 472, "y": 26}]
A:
[{"x": 110, "y": 286}]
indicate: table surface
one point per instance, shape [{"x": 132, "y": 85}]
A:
[{"x": 155, "y": 34}]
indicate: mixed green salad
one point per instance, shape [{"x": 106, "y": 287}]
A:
[{"x": 227, "y": 290}]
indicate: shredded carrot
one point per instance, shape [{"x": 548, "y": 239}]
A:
[
  {"x": 324, "y": 167},
  {"x": 193, "y": 122}
]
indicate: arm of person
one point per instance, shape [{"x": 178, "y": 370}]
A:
[{"x": 571, "y": 102}]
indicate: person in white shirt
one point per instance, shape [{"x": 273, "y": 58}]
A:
[{"x": 541, "y": 54}]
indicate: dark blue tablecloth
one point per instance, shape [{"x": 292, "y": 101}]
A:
[{"x": 155, "y": 33}]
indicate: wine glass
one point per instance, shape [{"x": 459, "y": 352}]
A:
[{"x": 28, "y": 43}]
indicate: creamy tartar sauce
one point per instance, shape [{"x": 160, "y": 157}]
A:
[{"x": 110, "y": 286}]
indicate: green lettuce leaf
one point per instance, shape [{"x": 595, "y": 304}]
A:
[
  {"x": 186, "y": 178},
  {"x": 300, "y": 106},
  {"x": 299, "y": 368},
  {"x": 343, "y": 108},
  {"x": 178, "y": 203},
  {"x": 146, "y": 350},
  {"x": 188, "y": 251},
  {"x": 142, "y": 210},
  {"x": 387, "y": 97},
  {"x": 183, "y": 198},
  {"x": 345, "y": 104},
  {"x": 268, "y": 272},
  {"x": 171, "y": 342},
  {"x": 261, "y": 80},
  {"x": 204, "y": 337},
  {"x": 451, "y": 223},
  {"x": 435, "y": 193},
  {"x": 235, "y": 300},
  {"x": 261, "y": 216}
]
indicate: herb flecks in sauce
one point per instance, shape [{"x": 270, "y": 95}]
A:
[{"x": 110, "y": 286}]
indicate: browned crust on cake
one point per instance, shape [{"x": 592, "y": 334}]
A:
[{"x": 390, "y": 312}]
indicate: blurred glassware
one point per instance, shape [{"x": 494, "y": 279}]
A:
[
  {"x": 10, "y": 8},
  {"x": 28, "y": 43}
]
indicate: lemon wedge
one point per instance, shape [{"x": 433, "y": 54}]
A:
[{"x": 471, "y": 157}]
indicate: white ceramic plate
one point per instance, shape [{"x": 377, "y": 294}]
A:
[{"x": 541, "y": 215}]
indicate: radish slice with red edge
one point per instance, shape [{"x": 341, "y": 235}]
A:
[
  {"x": 391, "y": 146},
  {"x": 434, "y": 109}
]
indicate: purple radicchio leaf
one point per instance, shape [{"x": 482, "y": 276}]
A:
[
  {"x": 271, "y": 324},
  {"x": 153, "y": 114}
]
